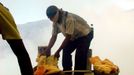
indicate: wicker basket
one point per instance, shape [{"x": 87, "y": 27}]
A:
[{"x": 102, "y": 73}]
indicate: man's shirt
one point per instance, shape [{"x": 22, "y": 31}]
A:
[{"x": 73, "y": 25}]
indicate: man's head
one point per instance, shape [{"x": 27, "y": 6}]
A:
[{"x": 52, "y": 13}]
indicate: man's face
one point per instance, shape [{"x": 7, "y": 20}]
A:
[{"x": 54, "y": 19}]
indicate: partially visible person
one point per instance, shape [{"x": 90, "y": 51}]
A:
[
  {"x": 78, "y": 36},
  {"x": 10, "y": 33}
]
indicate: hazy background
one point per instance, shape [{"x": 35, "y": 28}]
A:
[{"x": 113, "y": 25}]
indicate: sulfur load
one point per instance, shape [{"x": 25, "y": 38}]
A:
[{"x": 105, "y": 66}]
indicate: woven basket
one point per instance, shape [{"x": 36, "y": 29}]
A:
[{"x": 102, "y": 73}]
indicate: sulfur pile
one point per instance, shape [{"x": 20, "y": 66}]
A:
[
  {"x": 46, "y": 65},
  {"x": 103, "y": 66}
]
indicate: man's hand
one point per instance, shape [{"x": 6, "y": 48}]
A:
[
  {"x": 51, "y": 43},
  {"x": 48, "y": 52},
  {"x": 64, "y": 43},
  {"x": 57, "y": 54}
]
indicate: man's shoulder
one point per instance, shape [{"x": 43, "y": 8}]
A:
[
  {"x": 75, "y": 16},
  {"x": 70, "y": 16}
]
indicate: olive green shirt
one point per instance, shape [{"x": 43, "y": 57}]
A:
[{"x": 8, "y": 28}]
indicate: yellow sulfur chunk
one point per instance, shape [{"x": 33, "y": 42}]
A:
[
  {"x": 105, "y": 66},
  {"x": 51, "y": 69},
  {"x": 46, "y": 65},
  {"x": 95, "y": 60},
  {"x": 51, "y": 60},
  {"x": 42, "y": 60}
]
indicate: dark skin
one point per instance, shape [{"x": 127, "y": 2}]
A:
[
  {"x": 51, "y": 43},
  {"x": 54, "y": 37},
  {"x": 64, "y": 43}
]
